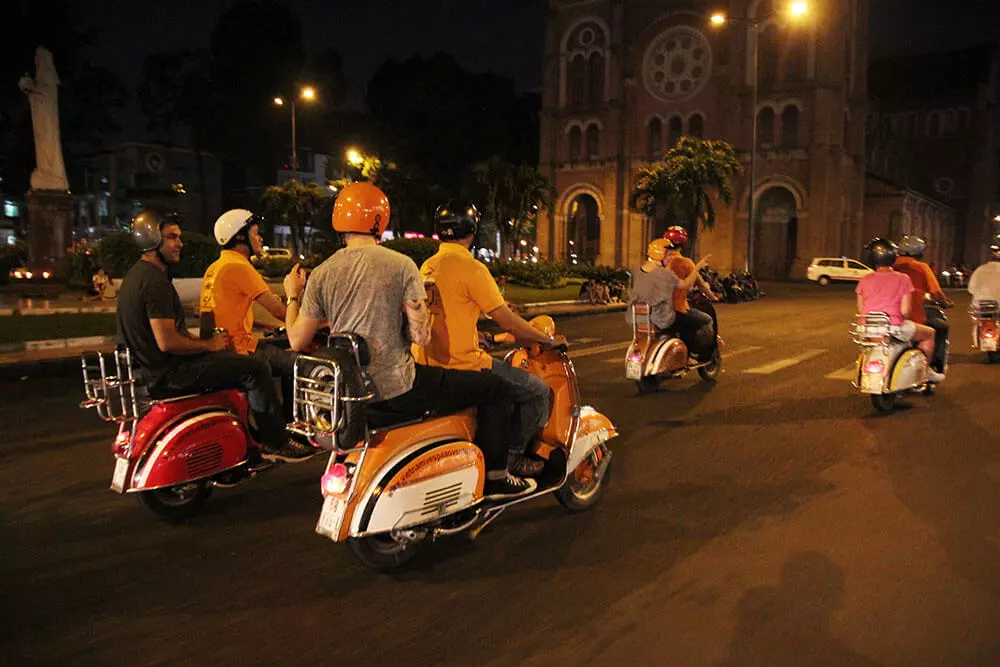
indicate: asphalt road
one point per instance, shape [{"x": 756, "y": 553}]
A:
[{"x": 774, "y": 519}]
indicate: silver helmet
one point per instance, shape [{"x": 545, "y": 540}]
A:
[
  {"x": 146, "y": 230},
  {"x": 912, "y": 245}
]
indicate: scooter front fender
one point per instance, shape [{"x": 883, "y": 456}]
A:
[
  {"x": 594, "y": 430},
  {"x": 196, "y": 447}
]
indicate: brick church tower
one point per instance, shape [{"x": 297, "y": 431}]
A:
[{"x": 624, "y": 79}]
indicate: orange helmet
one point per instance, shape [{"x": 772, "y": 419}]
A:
[
  {"x": 361, "y": 208},
  {"x": 657, "y": 249}
]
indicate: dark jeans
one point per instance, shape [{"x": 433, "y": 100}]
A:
[
  {"x": 282, "y": 365},
  {"x": 445, "y": 391},
  {"x": 697, "y": 331},
  {"x": 530, "y": 397},
  {"x": 937, "y": 321},
  {"x": 216, "y": 371}
]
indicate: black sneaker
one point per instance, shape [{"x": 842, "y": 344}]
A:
[
  {"x": 508, "y": 487},
  {"x": 524, "y": 466},
  {"x": 290, "y": 452}
]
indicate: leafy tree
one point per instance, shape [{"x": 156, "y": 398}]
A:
[
  {"x": 511, "y": 196},
  {"x": 298, "y": 205},
  {"x": 678, "y": 189}
]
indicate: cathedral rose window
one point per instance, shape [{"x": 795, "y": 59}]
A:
[{"x": 677, "y": 64}]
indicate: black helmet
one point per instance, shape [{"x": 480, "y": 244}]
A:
[
  {"x": 881, "y": 252},
  {"x": 147, "y": 228},
  {"x": 912, "y": 246},
  {"x": 456, "y": 220}
]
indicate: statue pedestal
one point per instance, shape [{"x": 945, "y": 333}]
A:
[{"x": 50, "y": 226}]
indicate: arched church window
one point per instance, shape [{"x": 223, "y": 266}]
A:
[
  {"x": 593, "y": 142},
  {"x": 577, "y": 80},
  {"x": 654, "y": 139},
  {"x": 790, "y": 127},
  {"x": 575, "y": 138},
  {"x": 676, "y": 129},
  {"x": 696, "y": 126},
  {"x": 765, "y": 128},
  {"x": 595, "y": 75}
]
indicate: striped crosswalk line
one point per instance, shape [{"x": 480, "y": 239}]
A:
[
  {"x": 726, "y": 354},
  {"x": 781, "y": 364},
  {"x": 845, "y": 373}
]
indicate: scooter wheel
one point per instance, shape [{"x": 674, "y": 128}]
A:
[
  {"x": 383, "y": 552},
  {"x": 648, "y": 385},
  {"x": 582, "y": 488},
  {"x": 174, "y": 503},
  {"x": 884, "y": 402},
  {"x": 992, "y": 357},
  {"x": 710, "y": 373}
]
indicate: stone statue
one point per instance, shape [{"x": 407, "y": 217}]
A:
[{"x": 43, "y": 93}]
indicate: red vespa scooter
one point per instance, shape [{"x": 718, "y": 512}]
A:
[{"x": 172, "y": 452}]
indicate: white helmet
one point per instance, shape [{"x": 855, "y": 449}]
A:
[{"x": 231, "y": 223}]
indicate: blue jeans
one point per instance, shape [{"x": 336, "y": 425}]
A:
[{"x": 529, "y": 396}]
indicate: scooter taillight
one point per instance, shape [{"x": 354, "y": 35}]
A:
[
  {"x": 989, "y": 333},
  {"x": 635, "y": 356},
  {"x": 874, "y": 367},
  {"x": 334, "y": 482},
  {"x": 120, "y": 447}
]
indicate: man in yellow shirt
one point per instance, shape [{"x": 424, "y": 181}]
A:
[
  {"x": 232, "y": 285},
  {"x": 463, "y": 290}
]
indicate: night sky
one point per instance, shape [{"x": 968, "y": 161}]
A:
[{"x": 505, "y": 36}]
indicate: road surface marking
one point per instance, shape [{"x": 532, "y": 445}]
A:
[
  {"x": 845, "y": 373},
  {"x": 600, "y": 349},
  {"x": 585, "y": 341},
  {"x": 782, "y": 364},
  {"x": 725, "y": 354}
]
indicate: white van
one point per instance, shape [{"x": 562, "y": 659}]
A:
[{"x": 824, "y": 270}]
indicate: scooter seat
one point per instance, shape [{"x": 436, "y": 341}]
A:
[{"x": 379, "y": 419}]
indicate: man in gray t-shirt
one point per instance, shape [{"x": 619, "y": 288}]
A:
[
  {"x": 361, "y": 290},
  {"x": 655, "y": 287},
  {"x": 377, "y": 293}
]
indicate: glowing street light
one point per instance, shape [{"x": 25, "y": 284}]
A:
[
  {"x": 308, "y": 93},
  {"x": 799, "y": 8},
  {"x": 718, "y": 18},
  {"x": 354, "y": 157}
]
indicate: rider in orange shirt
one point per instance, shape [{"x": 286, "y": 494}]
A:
[
  {"x": 696, "y": 327},
  {"x": 911, "y": 252}
]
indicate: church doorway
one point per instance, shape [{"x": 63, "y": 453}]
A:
[
  {"x": 583, "y": 233},
  {"x": 776, "y": 228}
]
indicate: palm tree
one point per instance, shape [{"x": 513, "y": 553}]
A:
[
  {"x": 294, "y": 204},
  {"x": 511, "y": 196},
  {"x": 678, "y": 189}
]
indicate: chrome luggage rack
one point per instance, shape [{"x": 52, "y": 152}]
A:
[
  {"x": 640, "y": 318},
  {"x": 873, "y": 329},
  {"x": 113, "y": 395},
  {"x": 317, "y": 398},
  {"x": 985, "y": 310}
]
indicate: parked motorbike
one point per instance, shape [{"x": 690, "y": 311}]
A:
[
  {"x": 985, "y": 317},
  {"x": 174, "y": 451},
  {"x": 656, "y": 356},
  {"x": 888, "y": 366},
  {"x": 391, "y": 487}
]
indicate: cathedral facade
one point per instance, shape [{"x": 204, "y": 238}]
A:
[{"x": 625, "y": 79}]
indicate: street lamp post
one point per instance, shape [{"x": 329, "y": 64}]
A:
[
  {"x": 754, "y": 26},
  {"x": 308, "y": 94}
]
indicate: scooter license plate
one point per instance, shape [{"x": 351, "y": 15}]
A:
[
  {"x": 989, "y": 344},
  {"x": 120, "y": 475},
  {"x": 331, "y": 516},
  {"x": 633, "y": 370},
  {"x": 872, "y": 384}
]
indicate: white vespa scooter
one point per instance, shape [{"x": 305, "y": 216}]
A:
[
  {"x": 986, "y": 328},
  {"x": 888, "y": 366}
]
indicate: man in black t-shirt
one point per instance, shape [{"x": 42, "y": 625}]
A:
[{"x": 170, "y": 361}]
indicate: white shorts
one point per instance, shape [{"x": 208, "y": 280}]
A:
[{"x": 907, "y": 330}]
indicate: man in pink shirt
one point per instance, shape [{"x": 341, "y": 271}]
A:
[{"x": 887, "y": 291}]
